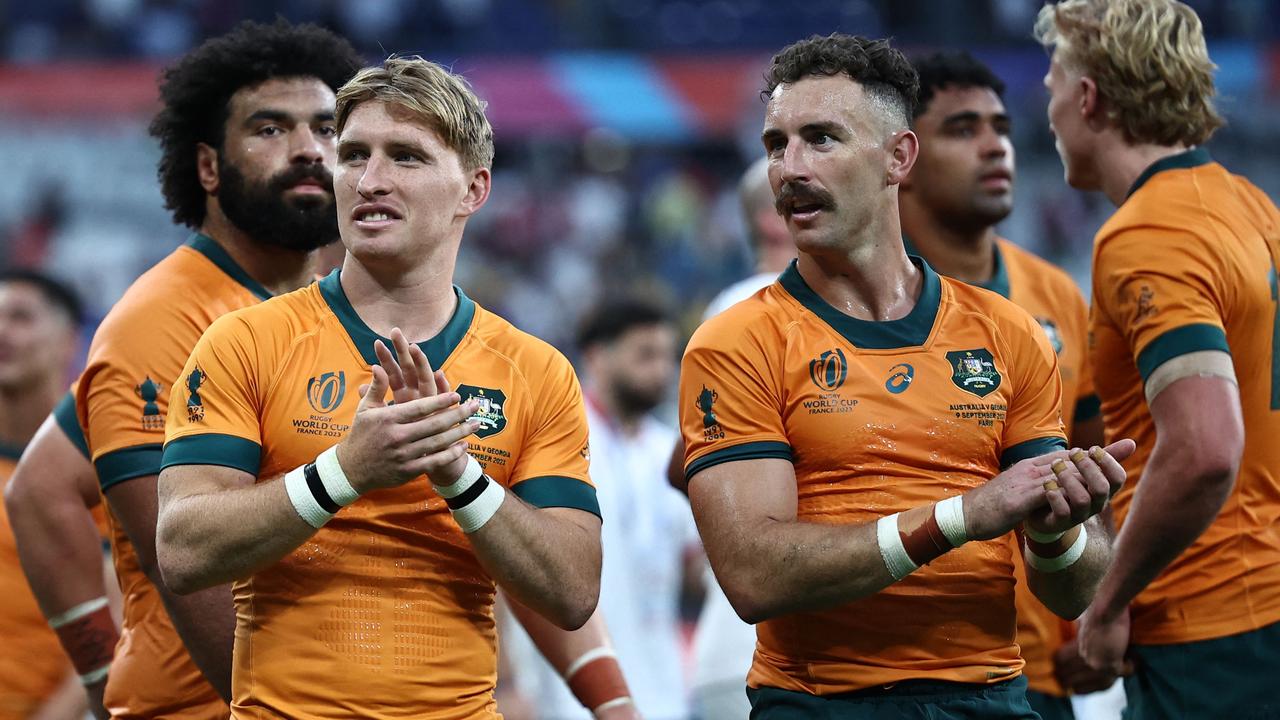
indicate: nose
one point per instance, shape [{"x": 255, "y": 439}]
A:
[
  {"x": 994, "y": 145},
  {"x": 373, "y": 180},
  {"x": 307, "y": 147},
  {"x": 795, "y": 165}
]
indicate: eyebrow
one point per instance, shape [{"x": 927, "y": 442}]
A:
[
  {"x": 825, "y": 126},
  {"x": 969, "y": 116},
  {"x": 280, "y": 116}
]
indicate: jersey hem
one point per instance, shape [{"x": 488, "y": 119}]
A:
[
  {"x": 64, "y": 413},
  {"x": 1180, "y": 341},
  {"x": 128, "y": 463},
  {"x": 744, "y": 451},
  {"x": 1030, "y": 449},
  {"x": 550, "y": 491},
  {"x": 213, "y": 449}
]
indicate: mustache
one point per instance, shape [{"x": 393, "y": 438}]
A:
[
  {"x": 792, "y": 194},
  {"x": 297, "y": 173}
]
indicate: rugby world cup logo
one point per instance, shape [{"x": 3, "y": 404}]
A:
[
  {"x": 829, "y": 370},
  {"x": 325, "y": 392}
]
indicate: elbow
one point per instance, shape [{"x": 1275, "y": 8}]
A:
[
  {"x": 575, "y": 609},
  {"x": 178, "y": 577},
  {"x": 749, "y": 598},
  {"x": 174, "y": 566},
  {"x": 17, "y": 498}
]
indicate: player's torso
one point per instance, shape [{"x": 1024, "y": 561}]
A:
[
  {"x": 163, "y": 315},
  {"x": 1240, "y": 551},
  {"x": 387, "y": 602},
  {"x": 878, "y": 427}
]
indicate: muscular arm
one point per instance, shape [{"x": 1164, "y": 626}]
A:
[
  {"x": 1199, "y": 440},
  {"x": 548, "y": 559},
  {"x": 206, "y": 620},
  {"x": 216, "y": 525},
  {"x": 48, "y": 501},
  {"x": 1069, "y": 591},
  {"x": 770, "y": 563}
]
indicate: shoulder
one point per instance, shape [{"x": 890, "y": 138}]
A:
[
  {"x": 1037, "y": 269},
  {"x": 271, "y": 326},
  {"x": 528, "y": 355},
  {"x": 1004, "y": 317},
  {"x": 762, "y": 320}
]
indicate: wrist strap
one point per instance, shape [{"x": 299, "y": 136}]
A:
[
  {"x": 950, "y": 516},
  {"x": 892, "y": 551},
  {"x": 474, "y": 499},
  {"x": 318, "y": 490},
  {"x": 88, "y": 635},
  {"x": 595, "y": 679},
  {"x": 1063, "y": 561}
]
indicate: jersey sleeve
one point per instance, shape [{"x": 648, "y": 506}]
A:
[
  {"x": 551, "y": 469},
  {"x": 730, "y": 399},
  {"x": 216, "y": 403},
  {"x": 1033, "y": 421},
  {"x": 122, "y": 398},
  {"x": 1165, "y": 309},
  {"x": 64, "y": 413}
]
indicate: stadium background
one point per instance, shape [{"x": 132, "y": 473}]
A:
[{"x": 622, "y": 128}]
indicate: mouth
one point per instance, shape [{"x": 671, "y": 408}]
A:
[
  {"x": 372, "y": 217},
  {"x": 996, "y": 180},
  {"x": 309, "y": 187},
  {"x": 803, "y": 212}
]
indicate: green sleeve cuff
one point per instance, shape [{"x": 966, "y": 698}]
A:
[
  {"x": 214, "y": 449},
  {"x": 1088, "y": 408},
  {"x": 127, "y": 463},
  {"x": 64, "y": 413},
  {"x": 745, "y": 451},
  {"x": 554, "y": 491},
  {"x": 1030, "y": 449},
  {"x": 1180, "y": 341}
]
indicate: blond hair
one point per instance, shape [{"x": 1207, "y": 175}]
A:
[
  {"x": 441, "y": 99},
  {"x": 1149, "y": 60}
]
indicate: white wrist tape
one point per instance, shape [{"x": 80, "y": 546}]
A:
[
  {"x": 1042, "y": 537},
  {"x": 474, "y": 498},
  {"x": 895, "y": 556},
  {"x": 1063, "y": 561},
  {"x": 589, "y": 656},
  {"x": 950, "y": 516},
  {"x": 73, "y": 614},
  {"x": 320, "y": 489},
  {"x": 616, "y": 702},
  {"x": 335, "y": 481}
]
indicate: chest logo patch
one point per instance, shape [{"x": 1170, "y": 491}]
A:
[
  {"x": 491, "y": 416},
  {"x": 325, "y": 392},
  {"x": 974, "y": 371},
  {"x": 900, "y": 378},
  {"x": 829, "y": 370}
]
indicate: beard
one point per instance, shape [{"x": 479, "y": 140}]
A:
[
  {"x": 262, "y": 212},
  {"x": 635, "y": 399}
]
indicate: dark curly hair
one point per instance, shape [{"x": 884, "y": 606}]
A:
[
  {"x": 196, "y": 93},
  {"x": 878, "y": 67},
  {"x": 951, "y": 69}
]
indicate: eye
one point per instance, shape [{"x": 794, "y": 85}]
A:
[
  {"x": 270, "y": 131},
  {"x": 405, "y": 156},
  {"x": 327, "y": 131},
  {"x": 351, "y": 155}
]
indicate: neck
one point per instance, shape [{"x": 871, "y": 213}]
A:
[
  {"x": 416, "y": 297},
  {"x": 872, "y": 281},
  {"x": 24, "y": 409},
  {"x": 608, "y": 405},
  {"x": 279, "y": 270},
  {"x": 966, "y": 255},
  {"x": 1120, "y": 164}
]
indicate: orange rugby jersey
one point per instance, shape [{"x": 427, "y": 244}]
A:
[
  {"x": 32, "y": 663},
  {"x": 385, "y": 612},
  {"x": 1188, "y": 263},
  {"x": 877, "y": 418},
  {"x": 1054, "y": 300},
  {"x": 136, "y": 357}
]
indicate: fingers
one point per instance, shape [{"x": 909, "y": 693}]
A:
[
  {"x": 395, "y": 377},
  {"x": 442, "y": 383},
  {"x": 1094, "y": 481},
  {"x": 1108, "y": 460},
  {"x": 1072, "y": 490},
  {"x": 431, "y": 443},
  {"x": 374, "y": 394},
  {"x": 426, "y": 379},
  {"x": 438, "y": 422},
  {"x": 429, "y": 463},
  {"x": 420, "y": 408}
]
